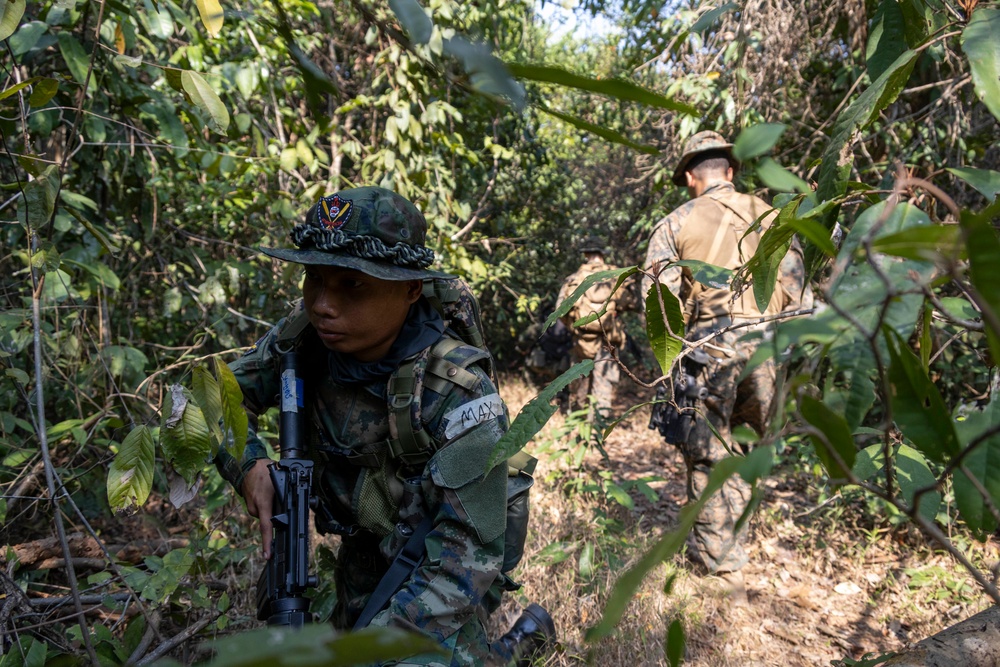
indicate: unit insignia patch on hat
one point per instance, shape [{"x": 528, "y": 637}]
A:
[{"x": 333, "y": 211}]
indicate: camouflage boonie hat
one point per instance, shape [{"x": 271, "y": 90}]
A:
[
  {"x": 369, "y": 229},
  {"x": 701, "y": 143},
  {"x": 593, "y": 244}
]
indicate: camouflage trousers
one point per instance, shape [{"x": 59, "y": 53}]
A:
[
  {"x": 600, "y": 383},
  {"x": 731, "y": 401},
  {"x": 358, "y": 570}
]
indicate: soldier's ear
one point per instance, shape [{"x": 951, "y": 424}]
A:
[{"x": 414, "y": 288}]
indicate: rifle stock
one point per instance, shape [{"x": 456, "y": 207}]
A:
[{"x": 281, "y": 588}]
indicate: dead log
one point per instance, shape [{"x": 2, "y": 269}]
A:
[
  {"x": 47, "y": 553},
  {"x": 975, "y": 642}
]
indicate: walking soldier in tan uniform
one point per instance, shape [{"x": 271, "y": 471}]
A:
[{"x": 714, "y": 228}]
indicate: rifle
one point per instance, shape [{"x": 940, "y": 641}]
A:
[
  {"x": 282, "y": 584},
  {"x": 675, "y": 418}
]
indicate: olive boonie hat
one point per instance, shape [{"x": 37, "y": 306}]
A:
[
  {"x": 593, "y": 244},
  {"x": 701, "y": 143},
  {"x": 369, "y": 229}
]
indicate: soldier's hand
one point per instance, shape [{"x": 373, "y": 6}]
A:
[{"x": 258, "y": 491}]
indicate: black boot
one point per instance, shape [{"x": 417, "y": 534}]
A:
[{"x": 532, "y": 633}]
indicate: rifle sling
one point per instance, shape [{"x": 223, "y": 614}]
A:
[{"x": 403, "y": 565}]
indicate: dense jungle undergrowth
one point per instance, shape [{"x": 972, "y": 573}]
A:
[{"x": 824, "y": 582}]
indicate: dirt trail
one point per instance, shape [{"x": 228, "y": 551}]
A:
[{"x": 821, "y": 586}]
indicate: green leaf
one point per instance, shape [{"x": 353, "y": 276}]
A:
[
  {"x": 707, "y": 274},
  {"x": 912, "y": 474},
  {"x": 815, "y": 233},
  {"x": 13, "y": 90},
  {"x": 983, "y": 247},
  {"x": 837, "y": 436},
  {"x": 837, "y": 159},
  {"x": 752, "y": 467},
  {"x": 11, "y": 12},
  {"x": 709, "y": 18},
  {"x": 676, "y": 643},
  {"x": 489, "y": 75},
  {"x": 778, "y": 178},
  {"x": 986, "y": 181},
  {"x": 585, "y": 564},
  {"x": 234, "y": 417},
  {"x": 666, "y": 343},
  {"x": 175, "y": 565},
  {"x": 886, "y": 38},
  {"x": 940, "y": 244},
  {"x": 130, "y": 476},
  {"x": 77, "y": 59},
  {"x": 917, "y": 406},
  {"x": 26, "y": 37},
  {"x": 43, "y": 92},
  {"x": 207, "y": 394},
  {"x": 414, "y": 20},
  {"x": 535, "y": 414},
  {"x": 211, "y": 16},
  {"x": 206, "y": 99},
  {"x": 603, "y": 132},
  {"x": 981, "y": 45},
  {"x": 983, "y": 463},
  {"x": 184, "y": 435},
  {"x": 614, "y": 88},
  {"x": 756, "y": 140},
  {"x": 765, "y": 272},
  {"x": 319, "y": 644}
]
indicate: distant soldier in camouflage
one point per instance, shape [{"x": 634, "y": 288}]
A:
[
  {"x": 713, "y": 228},
  {"x": 364, "y": 259},
  {"x": 595, "y": 339}
]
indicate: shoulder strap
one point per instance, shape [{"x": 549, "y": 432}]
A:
[{"x": 406, "y": 561}]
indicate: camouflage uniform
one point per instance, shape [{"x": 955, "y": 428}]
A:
[
  {"x": 711, "y": 228},
  {"x": 375, "y": 501},
  {"x": 589, "y": 340}
]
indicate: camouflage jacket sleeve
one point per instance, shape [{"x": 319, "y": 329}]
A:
[
  {"x": 468, "y": 498},
  {"x": 663, "y": 250},
  {"x": 792, "y": 276},
  {"x": 257, "y": 376}
]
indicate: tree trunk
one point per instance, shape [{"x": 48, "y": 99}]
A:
[{"x": 975, "y": 642}]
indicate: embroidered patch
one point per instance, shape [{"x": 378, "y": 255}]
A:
[
  {"x": 334, "y": 211},
  {"x": 471, "y": 414}
]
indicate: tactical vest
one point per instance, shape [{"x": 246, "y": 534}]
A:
[{"x": 439, "y": 368}]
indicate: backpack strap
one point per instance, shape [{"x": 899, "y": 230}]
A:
[{"x": 438, "y": 368}]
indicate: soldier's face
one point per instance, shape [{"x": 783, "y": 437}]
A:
[{"x": 355, "y": 313}]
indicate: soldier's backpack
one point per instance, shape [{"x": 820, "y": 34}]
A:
[{"x": 434, "y": 369}]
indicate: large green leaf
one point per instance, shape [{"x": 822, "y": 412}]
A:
[
  {"x": 206, "y": 99},
  {"x": 174, "y": 566},
  {"x": 886, "y": 38},
  {"x": 130, "y": 476},
  {"x": 838, "y": 159},
  {"x": 752, "y": 467},
  {"x": 602, "y": 132},
  {"x": 709, "y": 18},
  {"x": 757, "y": 140},
  {"x": 675, "y": 643},
  {"x": 911, "y": 474},
  {"x": 184, "y": 436},
  {"x": 319, "y": 645},
  {"x": 234, "y": 417},
  {"x": 413, "y": 19},
  {"x": 11, "y": 12},
  {"x": 707, "y": 274},
  {"x": 940, "y": 244},
  {"x": 535, "y": 414},
  {"x": 981, "y": 43},
  {"x": 614, "y": 88},
  {"x": 836, "y": 437},
  {"x": 815, "y": 233},
  {"x": 852, "y": 386},
  {"x": 666, "y": 343},
  {"x": 986, "y": 181},
  {"x": 917, "y": 406},
  {"x": 983, "y": 463},
  {"x": 77, "y": 59},
  {"x": 778, "y": 178},
  {"x": 206, "y": 393},
  {"x": 211, "y": 16},
  {"x": 984, "y": 257},
  {"x": 488, "y": 73}
]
